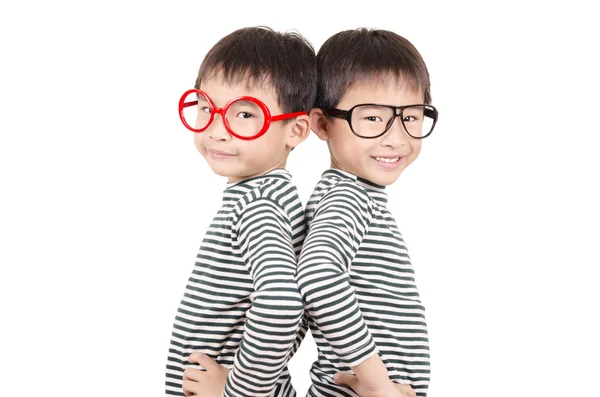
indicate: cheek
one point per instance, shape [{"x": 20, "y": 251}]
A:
[
  {"x": 198, "y": 139},
  {"x": 416, "y": 150},
  {"x": 254, "y": 152},
  {"x": 252, "y": 149},
  {"x": 345, "y": 144},
  {"x": 270, "y": 144}
]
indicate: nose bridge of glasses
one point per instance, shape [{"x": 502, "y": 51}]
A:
[
  {"x": 219, "y": 111},
  {"x": 397, "y": 125},
  {"x": 217, "y": 129},
  {"x": 398, "y": 112},
  {"x": 397, "y": 120}
]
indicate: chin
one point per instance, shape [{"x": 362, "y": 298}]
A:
[
  {"x": 221, "y": 171},
  {"x": 385, "y": 180}
]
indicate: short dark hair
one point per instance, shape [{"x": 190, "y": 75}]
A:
[
  {"x": 259, "y": 55},
  {"x": 359, "y": 55}
]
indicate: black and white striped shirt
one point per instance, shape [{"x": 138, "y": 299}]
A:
[
  {"x": 358, "y": 285},
  {"x": 241, "y": 305}
]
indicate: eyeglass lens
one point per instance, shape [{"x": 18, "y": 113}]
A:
[
  {"x": 245, "y": 118},
  {"x": 374, "y": 120}
]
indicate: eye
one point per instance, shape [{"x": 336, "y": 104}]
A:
[
  {"x": 244, "y": 115},
  {"x": 205, "y": 109},
  {"x": 373, "y": 118},
  {"x": 410, "y": 118}
]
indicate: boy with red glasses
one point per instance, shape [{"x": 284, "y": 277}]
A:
[
  {"x": 239, "y": 321},
  {"x": 354, "y": 273}
]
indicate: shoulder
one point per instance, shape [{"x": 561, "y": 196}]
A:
[
  {"x": 281, "y": 191},
  {"x": 345, "y": 192},
  {"x": 342, "y": 198},
  {"x": 275, "y": 194}
]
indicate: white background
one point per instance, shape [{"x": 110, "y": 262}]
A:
[{"x": 104, "y": 199}]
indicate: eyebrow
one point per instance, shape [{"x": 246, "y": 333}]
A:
[{"x": 246, "y": 102}]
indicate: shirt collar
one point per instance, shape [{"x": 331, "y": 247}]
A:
[
  {"x": 375, "y": 191},
  {"x": 257, "y": 180}
]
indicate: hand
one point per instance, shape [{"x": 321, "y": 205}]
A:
[
  {"x": 209, "y": 383},
  {"x": 390, "y": 390},
  {"x": 406, "y": 390}
]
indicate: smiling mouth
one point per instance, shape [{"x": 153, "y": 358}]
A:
[
  {"x": 219, "y": 155},
  {"x": 388, "y": 160}
]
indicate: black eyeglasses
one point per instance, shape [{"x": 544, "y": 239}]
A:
[{"x": 370, "y": 120}]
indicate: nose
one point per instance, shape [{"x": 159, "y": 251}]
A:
[
  {"x": 216, "y": 130},
  {"x": 396, "y": 136}
]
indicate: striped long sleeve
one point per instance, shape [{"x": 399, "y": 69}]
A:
[
  {"x": 337, "y": 229},
  {"x": 264, "y": 239},
  {"x": 345, "y": 211},
  {"x": 241, "y": 305}
]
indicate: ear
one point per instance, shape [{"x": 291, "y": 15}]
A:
[
  {"x": 299, "y": 131},
  {"x": 318, "y": 123}
]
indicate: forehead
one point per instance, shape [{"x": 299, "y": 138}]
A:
[
  {"x": 385, "y": 90},
  {"x": 222, "y": 90}
]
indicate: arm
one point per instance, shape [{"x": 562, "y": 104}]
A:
[
  {"x": 265, "y": 241},
  {"x": 339, "y": 225}
]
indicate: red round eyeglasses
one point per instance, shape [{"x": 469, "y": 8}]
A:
[{"x": 244, "y": 117}]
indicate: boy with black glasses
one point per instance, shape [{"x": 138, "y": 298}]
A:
[{"x": 354, "y": 273}]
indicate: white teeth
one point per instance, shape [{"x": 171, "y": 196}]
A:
[{"x": 387, "y": 160}]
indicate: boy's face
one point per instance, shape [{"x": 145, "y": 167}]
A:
[
  {"x": 380, "y": 160},
  {"x": 240, "y": 159}
]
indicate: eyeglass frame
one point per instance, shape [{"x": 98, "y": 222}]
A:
[
  {"x": 347, "y": 115},
  {"x": 222, "y": 111}
]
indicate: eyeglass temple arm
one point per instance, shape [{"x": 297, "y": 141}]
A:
[
  {"x": 288, "y": 116},
  {"x": 333, "y": 112},
  {"x": 188, "y": 104}
]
